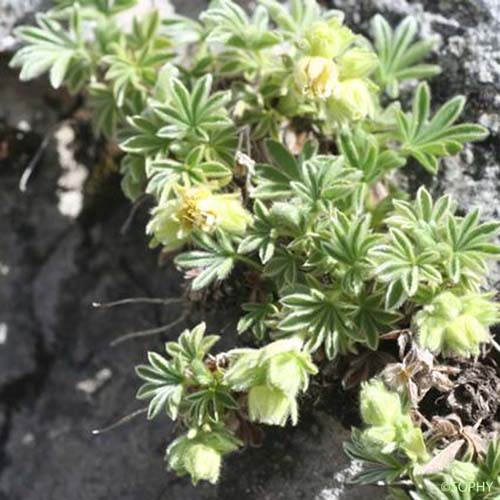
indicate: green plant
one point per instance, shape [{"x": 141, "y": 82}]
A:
[
  {"x": 269, "y": 147},
  {"x": 393, "y": 451}
]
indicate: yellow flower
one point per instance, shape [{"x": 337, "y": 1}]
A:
[
  {"x": 328, "y": 39},
  {"x": 195, "y": 209},
  {"x": 166, "y": 226},
  {"x": 227, "y": 211},
  {"x": 316, "y": 77}
]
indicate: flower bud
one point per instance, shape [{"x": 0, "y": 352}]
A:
[
  {"x": 199, "y": 452},
  {"x": 271, "y": 406},
  {"x": 289, "y": 372},
  {"x": 463, "y": 472},
  {"x": 328, "y": 39},
  {"x": 379, "y": 406},
  {"x": 203, "y": 463},
  {"x": 380, "y": 437},
  {"x": 357, "y": 63},
  {"x": 316, "y": 76},
  {"x": 410, "y": 439},
  {"x": 353, "y": 99},
  {"x": 456, "y": 325}
]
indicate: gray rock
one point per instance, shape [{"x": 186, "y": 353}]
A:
[
  {"x": 13, "y": 12},
  {"x": 303, "y": 463},
  {"x": 29, "y": 222}
]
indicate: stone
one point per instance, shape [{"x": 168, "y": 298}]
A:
[{"x": 13, "y": 12}]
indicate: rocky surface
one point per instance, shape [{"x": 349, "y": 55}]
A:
[
  {"x": 14, "y": 11},
  {"x": 59, "y": 378}
]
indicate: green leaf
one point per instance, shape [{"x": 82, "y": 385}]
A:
[
  {"x": 229, "y": 25},
  {"x": 257, "y": 318},
  {"x": 193, "y": 115},
  {"x": 192, "y": 344},
  {"x": 399, "y": 260},
  {"x": 362, "y": 151},
  {"x": 163, "y": 385},
  {"x": 428, "y": 139},
  {"x": 51, "y": 47},
  {"x": 400, "y": 58},
  {"x": 261, "y": 236},
  {"x": 466, "y": 248},
  {"x": 213, "y": 262},
  {"x": 323, "y": 317},
  {"x": 348, "y": 242},
  {"x": 372, "y": 318}
]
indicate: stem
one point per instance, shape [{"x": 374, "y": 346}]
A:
[
  {"x": 150, "y": 332},
  {"x": 120, "y": 422},
  {"x": 138, "y": 300},
  {"x": 250, "y": 262}
]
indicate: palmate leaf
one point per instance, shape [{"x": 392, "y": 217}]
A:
[
  {"x": 106, "y": 114},
  {"x": 192, "y": 344},
  {"x": 426, "y": 139},
  {"x": 404, "y": 267},
  {"x": 377, "y": 466},
  {"x": 400, "y": 58},
  {"x": 230, "y": 25},
  {"x": 273, "y": 180},
  {"x": 165, "y": 173},
  {"x": 219, "y": 145},
  {"x": 193, "y": 114},
  {"x": 325, "y": 180},
  {"x": 261, "y": 236},
  {"x": 490, "y": 468},
  {"x": 163, "y": 385},
  {"x": 214, "y": 261},
  {"x": 491, "y": 463},
  {"x": 324, "y": 317},
  {"x": 371, "y": 317},
  {"x": 315, "y": 179},
  {"x": 284, "y": 268},
  {"x": 136, "y": 59},
  {"x": 257, "y": 317},
  {"x": 166, "y": 379},
  {"x": 133, "y": 170},
  {"x": 362, "y": 151},
  {"x": 298, "y": 18},
  {"x": 51, "y": 47},
  {"x": 142, "y": 138},
  {"x": 209, "y": 404},
  {"x": 467, "y": 247},
  {"x": 348, "y": 242},
  {"x": 182, "y": 29},
  {"x": 105, "y": 6},
  {"x": 424, "y": 218}
]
